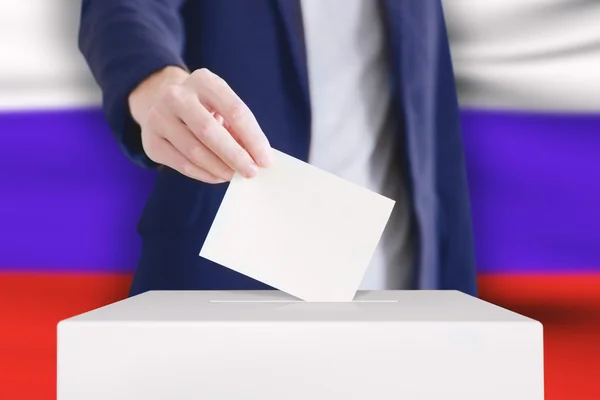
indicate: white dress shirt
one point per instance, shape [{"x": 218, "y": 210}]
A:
[{"x": 354, "y": 128}]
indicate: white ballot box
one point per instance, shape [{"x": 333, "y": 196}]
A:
[{"x": 265, "y": 345}]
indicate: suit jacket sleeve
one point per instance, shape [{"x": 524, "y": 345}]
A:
[{"x": 123, "y": 42}]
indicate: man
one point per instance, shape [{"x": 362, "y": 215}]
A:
[{"x": 361, "y": 88}]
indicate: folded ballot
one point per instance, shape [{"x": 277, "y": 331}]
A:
[{"x": 298, "y": 229}]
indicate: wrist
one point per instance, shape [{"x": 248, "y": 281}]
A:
[{"x": 145, "y": 94}]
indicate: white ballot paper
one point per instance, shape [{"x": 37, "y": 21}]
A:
[{"x": 298, "y": 229}]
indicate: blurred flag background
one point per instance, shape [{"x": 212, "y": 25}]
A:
[{"x": 528, "y": 74}]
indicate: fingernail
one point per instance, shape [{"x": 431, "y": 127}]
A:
[
  {"x": 251, "y": 171},
  {"x": 266, "y": 158},
  {"x": 227, "y": 175}
]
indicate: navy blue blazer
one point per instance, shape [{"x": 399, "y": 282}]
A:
[{"x": 257, "y": 47}]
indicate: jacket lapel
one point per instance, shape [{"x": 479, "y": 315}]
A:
[
  {"x": 291, "y": 17},
  {"x": 425, "y": 88},
  {"x": 414, "y": 28}
]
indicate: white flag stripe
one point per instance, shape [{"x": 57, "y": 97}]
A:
[
  {"x": 526, "y": 54},
  {"x": 566, "y": 84},
  {"x": 508, "y": 54},
  {"x": 40, "y": 64}
]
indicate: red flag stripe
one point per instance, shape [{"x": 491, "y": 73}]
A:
[{"x": 32, "y": 304}]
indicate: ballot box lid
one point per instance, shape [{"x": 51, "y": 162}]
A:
[{"x": 273, "y": 306}]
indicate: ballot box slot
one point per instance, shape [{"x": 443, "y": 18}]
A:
[{"x": 301, "y": 301}]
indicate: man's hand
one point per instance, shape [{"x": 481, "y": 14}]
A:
[{"x": 195, "y": 124}]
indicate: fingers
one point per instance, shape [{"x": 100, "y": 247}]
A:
[
  {"x": 197, "y": 153},
  {"x": 213, "y": 135},
  {"x": 168, "y": 155},
  {"x": 217, "y": 95},
  {"x": 202, "y": 129}
]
